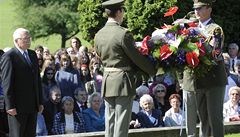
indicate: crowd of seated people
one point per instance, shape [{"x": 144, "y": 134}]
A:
[{"x": 75, "y": 74}]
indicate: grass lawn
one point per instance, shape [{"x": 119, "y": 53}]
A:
[
  {"x": 232, "y": 135},
  {"x": 8, "y": 24}
]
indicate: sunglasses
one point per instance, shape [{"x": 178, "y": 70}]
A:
[
  {"x": 160, "y": 90},
  {"x": 49, "y": 73}
]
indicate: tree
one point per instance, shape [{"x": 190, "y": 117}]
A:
[
  {"x": 44, "y": 18},
  {"x": 143, "y": 16},
  {"x": 91, "y": 18},
  {"x": 227, "y": 14}
]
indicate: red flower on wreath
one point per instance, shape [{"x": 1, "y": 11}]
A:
[
  {"x": 184, "y": 31},
  {"x": 144, "y": 47},
  {"x": 166, "y": 26},
  {"x": 192, "y": 24},
  {"x": 171, "y": 11},
  {"x": 201, "y": 48},
  {"x": 165, "y": 52},
  {"x": 192, "y": 59}
]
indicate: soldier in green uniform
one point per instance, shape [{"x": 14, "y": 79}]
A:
[
  {"x": 115, "y": 46},
  {"x": 205, "y": 94}
]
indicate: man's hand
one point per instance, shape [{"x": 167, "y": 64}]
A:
[
  {"x": 40, "y": 108},
  {"x": 12, "y": 112}
]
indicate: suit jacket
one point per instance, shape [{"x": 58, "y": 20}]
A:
[
  {"x": 216, "y": 76},
  {"x": 21, "y": 81},
  {"x": 146, "y": 122},
  {"x": 78, "y": 109},
  {"x": 115, "y": 46},
  {"x": 50, "y": 110},
  {"x": 59, "y": 123}
]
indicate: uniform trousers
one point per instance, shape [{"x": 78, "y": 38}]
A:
[
  {"x": 210, "y": 110},
  {"x": 22, "y": 125},
  {"x": 118, "y": 115},
  {"x": 189, "y": 100}
]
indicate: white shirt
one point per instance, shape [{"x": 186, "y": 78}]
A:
[
  {"x": 69, "y": 123},
  {"x": 22, "y": 51},
  {"x": 203, "y": 24},
  {"x": 230, "y": 84},
  {"x": 231, "y": 63},
  {"x": 178, "y": 118},
  {"x": 135, "y": 107},
  {"x": 201, "y": 27},
  {"x": 79, "y": 105},
  {"x": 230, "y": 110}
]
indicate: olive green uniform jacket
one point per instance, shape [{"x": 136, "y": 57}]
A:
[
  {"x": 216, "y": 76},
  {"x": 115, "y": 46}
]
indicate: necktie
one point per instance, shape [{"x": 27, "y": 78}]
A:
[
  {"x": 233, "y": 65},
  {"x": 25, "y": 54}
]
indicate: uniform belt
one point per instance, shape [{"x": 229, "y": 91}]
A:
[{"x": 117, "y": 69}]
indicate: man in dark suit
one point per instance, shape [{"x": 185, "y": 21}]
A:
[
  {"x": 21, "y": 85},
  {"x": 115, "y": 46},
  {"x": 233, "y": 53}
]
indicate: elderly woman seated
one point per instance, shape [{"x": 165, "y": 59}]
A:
[
  {"x": 149, "y": 117},
  {"x": 94, "y": 115},
  {"x": 174, "y": 116},
  {"x": 68, "y": 121},
  {"x": 231, "y": 109}
]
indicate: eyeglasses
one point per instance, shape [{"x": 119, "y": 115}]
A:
[
  {"x": 26, "y": 38},
  {"x": 49, "y": 73},
  {"x": 160, "y": 90},
  {"x": 199, "y": 8}
]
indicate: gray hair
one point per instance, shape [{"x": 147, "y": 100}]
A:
[
  {"x": 90, "y": 99},
  {"x": 235, "y": 45},
  {"x": 54, "y": 89},
  {"x": 236, "y": 88},
  {"x": 145, "y": 98},
  {"x": 67, "y": 98},
  {"x": 17, "y": 34},
  {"x": 78, "y": 90}
]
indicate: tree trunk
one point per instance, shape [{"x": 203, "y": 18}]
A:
[{"x": 64, "y": 39}]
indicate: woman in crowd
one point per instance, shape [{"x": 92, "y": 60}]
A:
[
  {"x": 68, "y": 121},
  {"x": 67, "y": 77},
  {"x": 47, "y": 63},
  {"x": 52, "y": 107},
  {"x": 75, "y": 43},
  {"x": 40, "y": 61},
  {"x": 85, "y": 74},
  {"x": 231, "y": 109},
  {"x": 159, "y": 93},
  {"x": 48, "y": 81},
  {"x": 94, "y": 115},
  {"x": 174, "y": 116},
  {"x": 46, "y": 52},
  {"x": 158, "y": 79},
  {"x": 149, "y": 117},
  {"x": 96, "y": 73},
  {"x": 74, "y": 60}
]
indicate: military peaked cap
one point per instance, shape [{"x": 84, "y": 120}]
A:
[
  {"x": 200, "y": 3},
  {"x": 113, "y": 4}
]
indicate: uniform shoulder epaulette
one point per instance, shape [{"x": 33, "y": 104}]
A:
[{"x": 214, "y": 29}]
